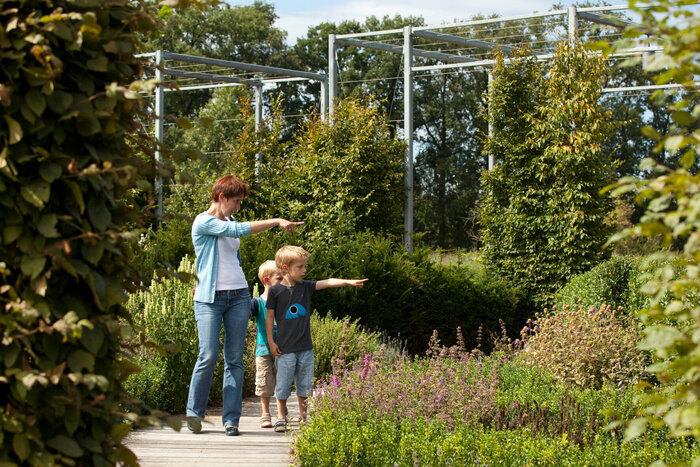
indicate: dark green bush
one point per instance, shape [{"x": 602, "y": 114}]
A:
[
  {"x": 409, "y": 296},
  {"x": 329, "y": 335}
]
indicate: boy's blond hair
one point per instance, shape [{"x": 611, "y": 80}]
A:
[
  {"x": 288, "y": 254},
  {"x": 267, "y": 269}
]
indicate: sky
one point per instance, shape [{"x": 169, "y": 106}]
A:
[{"x": 295, "y": 16}]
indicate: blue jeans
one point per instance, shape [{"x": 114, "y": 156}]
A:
[
  {"x": 297, "y": 367},
  {"x": 233, "y": 308}
]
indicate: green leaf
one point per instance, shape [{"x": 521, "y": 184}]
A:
[
  {"x": 10, "y": 354},
  {"x": 98, "y": 64},
  {"x": 20, "y": 444},
  {"x": 65, "y": 445},
  {"x": 635, "y": 429},
  {"x": 88, "y": 125},
  {"x": 79, "y": 360},
  {"x": 647, "y": 164},
  {"x": 60, "y": 101},
  {"x": 682, "y": 117},
  {"x": 32, "y": 265},
  {"x": 37, "y": 192},
  {"x": 77, "y": 194},
  {"x": 10, "y": 233},
  {"x": 674, "y": 143},
  {"x": 92, "y": 252},
  {"x": 118, "y": 432},
  {"x": 50, "y": 171},
  {"x": 15, "y": 129},
  {"x": 92, "y": 339},
  {"x": 99, "y": 215},
  {"x": 35, "y": 101},
  {"x": 47, "y": 225}
]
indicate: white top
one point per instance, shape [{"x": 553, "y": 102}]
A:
[{"x": 229, "y": 274}]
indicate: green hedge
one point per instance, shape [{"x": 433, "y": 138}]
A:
[
  {"x": 610, "y": 282},
  {"x": 409, "y": 296},
  {"x": 618, "y": 281}
]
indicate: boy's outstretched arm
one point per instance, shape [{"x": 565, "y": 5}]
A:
[
  {"x": 269, "y": 327},
  {"x": 332, "y": 282}
]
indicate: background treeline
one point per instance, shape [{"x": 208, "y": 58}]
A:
[{"x": 449, "y": 122}]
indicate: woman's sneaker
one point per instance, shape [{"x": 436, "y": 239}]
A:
[{"x": 194, "y": 424}]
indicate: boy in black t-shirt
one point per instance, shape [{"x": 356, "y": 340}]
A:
[{"x": 289, "y": 303}]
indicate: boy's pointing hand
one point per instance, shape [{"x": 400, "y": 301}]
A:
[{"x": 357, "y": 282}]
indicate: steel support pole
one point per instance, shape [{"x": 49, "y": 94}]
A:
[
  {"x": 332, "y": 74},
  {"x": 408, "y": 136},
  {"x": 324, "y": 100},
  {"x": 573, "y": 23},
  {"x": 159, "y": 115},
  {"x": 492, "y": 159},
  {"x": 258, "y": 124}
]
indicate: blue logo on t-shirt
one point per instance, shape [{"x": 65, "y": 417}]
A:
[{"x": 295, "y": 311}]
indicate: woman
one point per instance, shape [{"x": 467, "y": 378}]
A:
[{"x": 222, "y": 296}]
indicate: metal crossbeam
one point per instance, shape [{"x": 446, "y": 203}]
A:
[
  {"x": 211, "y": 77},
  {"x": 462, "y": 41},
  {"x": 607, "y": 21},
  {"x": 399, "y": 50},
  {"x": 244, "y": 66}
]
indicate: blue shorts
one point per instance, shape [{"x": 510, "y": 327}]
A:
[{"x": 297, "y": 367}]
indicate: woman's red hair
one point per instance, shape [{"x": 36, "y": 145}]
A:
[{"x": 229, "y": 186}]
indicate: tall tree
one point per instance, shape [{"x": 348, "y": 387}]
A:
[
  {"x": 242, "y": 33},
  {"x": 542, "y": 213}
]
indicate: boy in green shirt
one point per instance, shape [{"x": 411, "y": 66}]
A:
[{"x": 269, "y": 275}]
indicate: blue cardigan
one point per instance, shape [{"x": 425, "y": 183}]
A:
[{"x": 206, "y": 230}]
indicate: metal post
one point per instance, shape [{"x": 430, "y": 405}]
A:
[
  {"x": 492, "y": 160},
  {"x": 332, "y": 74},
  {"x": 258, "y": 124},
  {"x": 159, "y": 111},
  {"x": 573, "y": 23},
  {"x": 324, "y": 99},
  {"x": 408, "y": 136}
]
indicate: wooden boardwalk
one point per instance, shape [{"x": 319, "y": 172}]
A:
[{"x": 254, "y": 447}]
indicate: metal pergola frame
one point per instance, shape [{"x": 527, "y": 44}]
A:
[
  {"x": 572, "y": 14},
  {"x": 219, "y": 80}
]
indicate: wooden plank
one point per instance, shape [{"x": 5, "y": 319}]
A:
[{"x": 161, "y": 446}]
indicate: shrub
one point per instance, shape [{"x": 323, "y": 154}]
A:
[
  {"x": 586, "y": 346},
  {"x": 465, "y": 409},
  {"x": 357, "y": 438},
  {"x": 672, "y": 202},
  {"x": 612, "y": 282},
  {"x": 329, "y": 335},
  {"x": 409, "y": 296},
  {"x": 165, "y": 315}
]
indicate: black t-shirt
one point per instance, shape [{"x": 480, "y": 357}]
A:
[{"x": 292, "y": 307}]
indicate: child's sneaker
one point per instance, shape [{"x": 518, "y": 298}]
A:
[
  {"x": 266, "y": 421},
  {"x": 281, "y": 425}
]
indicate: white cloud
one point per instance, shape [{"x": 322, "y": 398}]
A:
[{"x": 297, "y": 20}]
